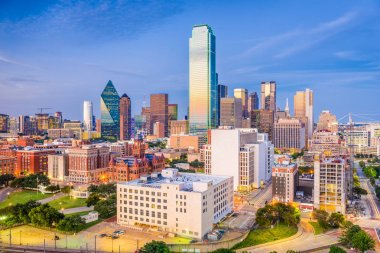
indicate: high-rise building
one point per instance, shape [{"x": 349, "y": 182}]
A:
[
  {"x": 59, "y": 117},
  {"x": 110, "y": 112},
  {"x": 159, "y": 110},
  {"x": 222, "y": 93},
  {"x": 327, "y": 122},
  {"x": 7, "y": 165},
  {"x": 58, "y": 167},
  {"x": 26, "y": 126},
  {"x": 42, "y": 122},
  {"x": 4, "y": 123},
  {"x": 303, "y": 110},
  {"x": 203, "y": 89},
  {"x": 243, "y": 95},
  {"x": 263, "y": 120},
  {"x": 186, "y": 204},
  {"x": 289, "y": 134},
  {"x": 173, "y": 112},
  {"x": 268, "y": 96},
  {"x": 231, "y": 112},
  {"x": 248, "y": 157},
  {"x": 32, "y": 161},
  {"x": 253, "y": 102},
  {"x": 284, "y": 181},
  {"x": 88, "y": 116},
  {"x": 159, "y": 129},
  {"x": 331, "y": 184},
  {"x": 125, "y": 117},
  {"x": 287, "y": 110}
]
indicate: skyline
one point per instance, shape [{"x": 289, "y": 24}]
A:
[{"x": 88, "y": 48}]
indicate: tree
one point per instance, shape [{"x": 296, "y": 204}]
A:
[
  {"x": 106, "y": 208},
  {"x": 348, "y": 233},
  {"x": 71, "y": 224},
  {"x": 52, "y": 188},
  {"x": 6, "y": 178},
  {"x": 363, "y": 241},
  {"x": 92, "y": 199},
  {"x": 155, "y": 247},
  {"x": 21, "y": 211},
  {"x": 322, "y": 217},
  {"x": 45, "y": 216},
  {"x": 336, "y": 220},
  {"x": 336, "y": 249},
  {"x": 223, "y": 251},
  {"x": 265, "y": 216},
  {"x": 362, "y": 164}
]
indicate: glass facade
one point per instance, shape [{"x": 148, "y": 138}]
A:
[
  {"x": 109, "y": 110},
  {"x": 203, "y": 89}
]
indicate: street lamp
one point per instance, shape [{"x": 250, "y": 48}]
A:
[
  {"x": 20, "y": 237},
  {"x": 95, "y": 242},
  {"x": 8, "y": 195}
]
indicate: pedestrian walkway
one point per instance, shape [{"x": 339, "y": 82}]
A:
[{"x": 54, "y": 197}]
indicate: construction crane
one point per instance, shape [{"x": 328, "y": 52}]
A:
[{"x": 43, "y": 108}]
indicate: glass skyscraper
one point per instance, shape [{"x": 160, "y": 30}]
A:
[
  {"x": 203, "y": 89},
  {"x": 110, "y": 112}
]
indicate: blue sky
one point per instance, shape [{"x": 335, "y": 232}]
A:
[{"x": 59, "y": 53}]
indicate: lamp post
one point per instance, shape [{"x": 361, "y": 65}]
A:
[
  {"x": 8, "y": 195},
  {"x": 10, "y": 237},
  {"x": 95, "y": 242},
  {"x": 20, "y": 237}
]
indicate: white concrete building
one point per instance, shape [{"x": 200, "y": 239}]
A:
[
  {"x": 186, "y": 204},
  {"x": 91, "y": 216},
  {"x": 58, "y": 167},
  {"x": 88, "y": 116},
  {"x": 244, "y": 154}
]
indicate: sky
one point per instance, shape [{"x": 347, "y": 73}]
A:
[{"x": 59, "y": 53}]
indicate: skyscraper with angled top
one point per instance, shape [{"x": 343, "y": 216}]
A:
[
  {"x": 110, "y": 112},
  {"x": 125, "y": 117},
  {"x": 203, "y": 88}
]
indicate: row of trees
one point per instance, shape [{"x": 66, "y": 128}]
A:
[
  {"x": 103, "y": 198},
  {"x": 328, "y": 221},
  {"x": 39, "y": 215},
  {"x": 354, "y": 237},
  {"x": 277, "y": 213},
  {"x": 30, "y": 181}
]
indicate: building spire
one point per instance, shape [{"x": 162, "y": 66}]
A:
[{"x": 287, "y": 108}]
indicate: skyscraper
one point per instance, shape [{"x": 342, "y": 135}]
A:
[
  {"x": 159, "y": 110},
  {"x": 87, "y": 116},
  {"x": 243, "y": 95},
  {"x": 173, "y": 111},
  {"x": 268, "y": 96},
  {"x": 230, "y": 112},
  {"x": 222, "y": 93},
  {"x": 110, "y": 112},
  {"x": 203, "y": 109},
  {"x": 253, "y": 102},
  {"x": 303, "y": 109},
  {"x": 125, "y": 117}
]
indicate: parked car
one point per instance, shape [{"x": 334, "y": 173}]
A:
[
  {"x": 118, "y": 232},
  {"x": 102, "y": 235}
]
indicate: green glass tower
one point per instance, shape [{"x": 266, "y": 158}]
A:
[{"x": 110, "y": 112}]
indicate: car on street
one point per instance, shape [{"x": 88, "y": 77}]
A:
[
  {"x": 118, "y": 232},
  {"x": 102, "y": 235}
]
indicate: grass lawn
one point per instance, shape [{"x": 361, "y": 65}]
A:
[
  {"x": 264, "y": 235},
  {"x": 22, "y": 197},
  {"x": 66, "y": 202},
  {"x": 317, "y": 228}
]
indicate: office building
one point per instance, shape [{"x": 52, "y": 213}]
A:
[
  {"x": 179, "y": 127},
  {"x": 331, "y": 184},
  {"x": 185, "y": 141},
  {"x": 185, "y": 204},
  {"x": 327, "y": 122},
  {"x": 268, "y": 96},
  {"x": 7, "y": 165},
  {"x": 125, "y": 117},
  {"x": 159, "y": 130},
  {"x": 222, "y": 93},
  {"x": 75, "y": 127},
  {"x": 253, "y": 102},
  {"x": 243, "y": 95},
  {"x": 88, "y": 116},
  {"x": 231, "y": 112},
  {"x": 42, "y": 120},
  {"x": 289, "y": 134},
  {"x": 159, "y": 111},
  {"x": 32, "y": 161},
  {"x": 263, "y": 120},
  {"x": 203, "y": 89},
  {"x": 110, "y": 112},
  {"x": 88, "y": 164},
  {"x": 303, "y": 110},
  {"x": 248, "y": 157},
  {"x": 61, "y": 133},
  {"x": 173, "y": 112},
  {"x": 4, "y": 123},
  {"x": 26, "y": 125},
  {"x": 284, "y": 181},
  {"x": 58, "y": 167},
  {"x": 330, "y": 144}
]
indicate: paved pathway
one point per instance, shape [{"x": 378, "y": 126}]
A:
[
  {"x": 78, "y": 209},
  {"x": 54, "y": 197},
  {"x": 4, "y": 193}
]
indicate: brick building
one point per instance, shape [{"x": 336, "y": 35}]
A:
[{"x": 31, "y": 161}]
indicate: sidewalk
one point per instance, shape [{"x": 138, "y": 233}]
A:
[{"x": 54, "y": 197}]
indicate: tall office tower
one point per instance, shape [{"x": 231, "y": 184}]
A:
[
  {"x": 253, "y": 102},
  {"x": 13, "y": 125},
  {"x": 248, "y": 157},
  {"x": 222, "y": 93},
  {"x": 159, "y": 110},
  {"x": 268, "y": 96},
  {"x": 87, "y": 116},
  {"x": 147, "y": 127},
  {"x": 327, "y": 122},
  {"x": 172, "y": 112},
  {"x": 289, "y": 134},
  {"x": 110, "y": 112},
  {"x": 331, "y": 184},
  {"x": 263, "y": 120},
  {"x": 42, "y": 122},
  {"x": 230, "y": 112},
  {"x": 58, "y": 115},
  {"x": 125, "y": 117},
  {"x": 25, "y": 125},
  {"x": 4, "y": 123},
  {"x": 203, "y": 89},
  {"x": 303, "y": 109},
  {"x": 243, "y": 95}
]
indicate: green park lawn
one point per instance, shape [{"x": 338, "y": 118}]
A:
[
  {"x": 22, "y": 197},
  {"x": 67, "y": 202},
  {"x": 317, "y": 228},
  {"x": 265, "y": 235}
]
